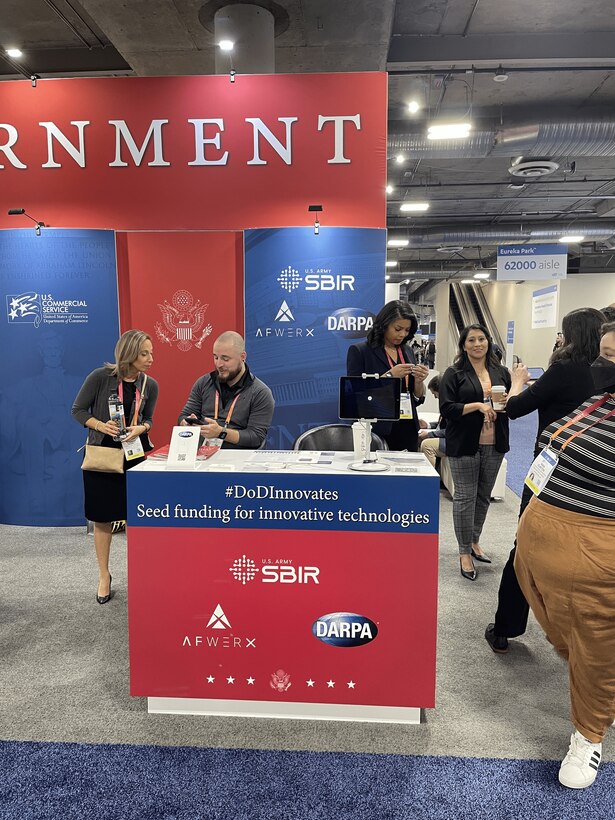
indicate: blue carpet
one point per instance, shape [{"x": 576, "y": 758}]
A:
[
  {"x": 40, "y": 781},
  {"x": 521, "y": 454}
]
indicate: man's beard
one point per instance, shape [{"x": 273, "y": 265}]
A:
[{"x": 232, "y": 374}]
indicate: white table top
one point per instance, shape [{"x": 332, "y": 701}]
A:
[{"x": 297, "y": 461}]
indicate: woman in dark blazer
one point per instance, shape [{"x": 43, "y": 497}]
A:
[
  {"x": 387, "y": 351},
  {"x": 476, "y": 437}
]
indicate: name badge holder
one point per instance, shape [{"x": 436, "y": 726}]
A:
[
  {"x": 541, "y": 469},
  {"x": 133, "y": 449}
]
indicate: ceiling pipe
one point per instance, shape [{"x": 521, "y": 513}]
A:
[
  {"x": 495, "y": 234},
  {"x": 577, "y": 139}
]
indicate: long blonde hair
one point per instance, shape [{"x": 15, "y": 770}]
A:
[{"x": 126, "y": 352}]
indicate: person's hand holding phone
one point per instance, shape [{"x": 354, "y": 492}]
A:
[{"x": 191, "y": 420}]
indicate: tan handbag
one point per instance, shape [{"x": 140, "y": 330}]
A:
[{"x": 103, "y": 459}]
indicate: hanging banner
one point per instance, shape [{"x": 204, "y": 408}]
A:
[
  {"x": 544, "y": 307},
  {"x": 310, "y": 297},
  {"x": 523, "y": 262},
  {"x": 184, "y": 289},
  {"x": 510, "y": 343},
  {"x": 179, "y": 153},
  {"x": 60, "y": 321}
]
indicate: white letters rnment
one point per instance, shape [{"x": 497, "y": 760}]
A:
[{"x": 208, "y": 142}]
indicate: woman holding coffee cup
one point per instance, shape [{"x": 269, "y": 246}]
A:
[{"x": 476, "y": 436}]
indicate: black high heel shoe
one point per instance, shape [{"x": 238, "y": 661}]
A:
[
  {"x": 103, "y": 599},
  {"x": 470, "y": 574},
  {"x": 482, "y": 558}
]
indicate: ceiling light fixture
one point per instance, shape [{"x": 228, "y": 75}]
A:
[
  {"x": 226, "y": 45},
  {"x": 391, "y": 263},
  {"x": 571, "y": 238},
  {"x": 415, "y": 207},
  {"x": 400, "y": 159},
  {"x": 389, "y": 189},
  {"x": 468, "y": 282},
  {"x": 500, "y": 75},
  {"x": 387, "y": 277},
  {"x": 482, "y": 275},
  {"x": 398, "y": 243},
  {"x": 15, "y": 53},
  {"x": 449, "y": 131},
  {"x": 414, "y": 106}
]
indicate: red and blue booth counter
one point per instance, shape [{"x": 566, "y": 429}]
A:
[{"x": 283, "y": 584}]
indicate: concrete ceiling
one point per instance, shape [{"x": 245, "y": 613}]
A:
[{"x": 559, "y": 56}]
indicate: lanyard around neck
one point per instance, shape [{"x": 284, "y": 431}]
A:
[
  {"x": 230, "y": 412},
  {"x": 138, "y": 395},
  {"x": 580, "y": 416},
  {"x": 392, "y": 364}
]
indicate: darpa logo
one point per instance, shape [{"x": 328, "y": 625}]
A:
[
  {"x": 350, "y": 322},
  {"x": 344, "y": 629}
]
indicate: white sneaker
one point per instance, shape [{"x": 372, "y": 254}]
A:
[{"x": 580, "y": 766}]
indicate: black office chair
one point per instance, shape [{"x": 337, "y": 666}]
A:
[{"x": 333, "y": 437}]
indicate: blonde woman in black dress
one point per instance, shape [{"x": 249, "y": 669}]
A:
[{"x": 105, "y": 493}]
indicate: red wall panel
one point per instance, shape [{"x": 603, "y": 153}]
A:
[{"x": 180, "y": 269}]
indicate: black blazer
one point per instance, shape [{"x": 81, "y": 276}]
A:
[
  {"x": 362, "y": 358},
  {"x": 460, "y": 387}
]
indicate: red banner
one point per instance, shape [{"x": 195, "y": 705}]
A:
[
  {"x": 195, "y": 152},
  {"x": 184, "y": 289}
]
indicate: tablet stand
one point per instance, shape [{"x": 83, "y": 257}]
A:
[{"x": 370, "y": 464}]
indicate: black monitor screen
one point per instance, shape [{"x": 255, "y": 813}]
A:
[{"x": 369, "y": 398}]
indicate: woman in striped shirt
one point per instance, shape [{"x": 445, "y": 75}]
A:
[{"x": 565, "y": 561}]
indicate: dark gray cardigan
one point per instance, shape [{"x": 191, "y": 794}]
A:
[{"x": 92, "y": 401}]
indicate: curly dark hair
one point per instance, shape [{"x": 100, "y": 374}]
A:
[
  {"x": 461, "y": 359},
  {"x": 581, "y": 330},
  {"x": 396, "y": 309}
]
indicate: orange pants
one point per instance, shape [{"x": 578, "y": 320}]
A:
[{"x": 565, "y": 565}]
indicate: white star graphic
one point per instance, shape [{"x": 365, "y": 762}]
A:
[
  {"x": 250, "y": 681},
  {"x": 310, "y": 682},
  {"x": 210, "y": 679},
  {"x": 351, "y": 684},
  {"x": 13, "y": 314},
  {"x": 330, "y": 684},
  {"x": 14, "y": 303},
  {"x": 230, "y": 679}
]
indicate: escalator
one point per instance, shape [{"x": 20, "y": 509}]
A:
[{"x": 467, "y": 306}]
